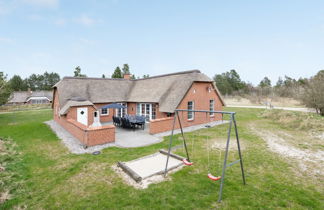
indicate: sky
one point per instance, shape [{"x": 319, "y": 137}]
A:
[{"x": 256, "y": 37}]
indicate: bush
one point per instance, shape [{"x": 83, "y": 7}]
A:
[
  {"x": 295, "y": 120},
  {"x": 313, "y": 95}
]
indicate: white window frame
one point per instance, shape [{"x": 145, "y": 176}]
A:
[
  {"x": 192, "y": 108},
  {"x": 121, "y": 110},
  {"x": 139, "y": 107},
  {"x": 211, "y": 107},
  {"x": 104, "y": 114}
]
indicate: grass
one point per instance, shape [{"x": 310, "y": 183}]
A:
[
  {"x": 24, "y": 107},
  {"x": 50, "y": 177}
]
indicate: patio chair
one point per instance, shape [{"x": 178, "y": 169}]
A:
[
  {"x": 114, "y": 120},
  {"x": 119, "y": 121},
  {"x": 122, "y": 122},
  {"x": 140, "y": 121}
]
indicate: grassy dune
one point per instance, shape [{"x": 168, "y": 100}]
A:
[{"x": 49, "y": 177}]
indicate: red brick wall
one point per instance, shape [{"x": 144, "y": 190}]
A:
[
  {"x": 199, "y": 94},
  {"x": 161, "y": 125},
  {"x": 90, "y": 136},
  {"x": 101, "y": 135},
  {"x": 131, "y": 108},
  {"x": 105, "y": 118}
]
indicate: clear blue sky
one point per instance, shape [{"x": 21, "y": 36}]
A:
[{"x": 257, "y": 38}]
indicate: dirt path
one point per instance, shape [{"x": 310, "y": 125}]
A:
[
  {"x": 308, "y": 161},
  {"x": 275, "y": 107}
]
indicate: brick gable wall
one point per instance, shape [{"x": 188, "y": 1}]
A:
[{"x": 198, "y": 93}]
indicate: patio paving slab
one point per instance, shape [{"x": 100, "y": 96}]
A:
[{"x": 128, "y": 138}]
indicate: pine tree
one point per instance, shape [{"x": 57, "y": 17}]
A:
[
  {"x": 117, "y": 73},
  {"x": 126, "y": 69},
  {"x": 77, "y": 72}
]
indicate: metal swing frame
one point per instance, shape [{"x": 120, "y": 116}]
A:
[{"x": 225, "y": 165}]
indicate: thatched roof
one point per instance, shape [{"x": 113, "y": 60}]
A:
[
  {"x": 167, "y": 90},
  {"x": 23, "y": 96}
]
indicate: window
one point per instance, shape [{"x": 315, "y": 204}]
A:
[
  {"x": 191, "y": 115},
  {"x": 211, "y": 107},
  {"x": 169, "y": 114},
  {"x": 104, "y": 111},
  {"x": 153, "y": 111},
  {"x": 138, "y": 109}
]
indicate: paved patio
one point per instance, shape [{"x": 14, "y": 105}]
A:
[
  {"x": 125, "y": 138},
  {"x": 128, "y": 138}
]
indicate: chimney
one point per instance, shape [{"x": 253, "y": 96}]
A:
[{"x": 127, "y": 76}]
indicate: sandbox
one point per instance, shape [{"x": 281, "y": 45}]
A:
[{"x": 148, "y": 166}]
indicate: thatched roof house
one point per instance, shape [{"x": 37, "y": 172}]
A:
[
  {"x": 31, "y": 97},
  {"x": 85, "y": 106}
]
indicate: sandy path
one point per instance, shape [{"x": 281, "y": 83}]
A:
[
  {"x": 275, "y": 107},
  {"x": 308, "y": 161}
]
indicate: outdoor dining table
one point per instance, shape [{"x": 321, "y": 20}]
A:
[{"x": 136, "y": 120}]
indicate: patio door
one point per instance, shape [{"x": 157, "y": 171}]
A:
[
  {"x": 122, "y": 111},
  {"x": 147, "y": 110}
]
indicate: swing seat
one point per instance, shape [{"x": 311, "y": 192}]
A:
[
  {"x": 214, "y": 178},
  {"x": 186, "y": 162}
]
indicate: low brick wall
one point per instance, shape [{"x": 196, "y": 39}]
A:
[
  {"x": 162, "y": 125},
  {"x": 89, "y": 136},
  {"x": 101, "y": 135}
]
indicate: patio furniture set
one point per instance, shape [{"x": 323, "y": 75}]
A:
[{"x": 130, "y": 121}]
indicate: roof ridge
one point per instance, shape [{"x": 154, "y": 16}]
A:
[
  {"x": 94, "y": 78},
  {"x": 157, "y": 76},
  {"x": 28, "y": 91},
  {"x": 171, "y": 74}
]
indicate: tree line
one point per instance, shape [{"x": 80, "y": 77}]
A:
[
  {"x": 310, "y": 91},
  {"x": 47, "y": 80},
  {"x": 34, "y": 82}
]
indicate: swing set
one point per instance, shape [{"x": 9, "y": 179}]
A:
[{"x": 187, "y": 161}]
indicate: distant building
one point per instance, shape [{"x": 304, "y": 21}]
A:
[{"x": 30, "y": 97}]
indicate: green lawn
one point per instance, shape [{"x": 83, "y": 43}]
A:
[{"x": 44, "y": 175}]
